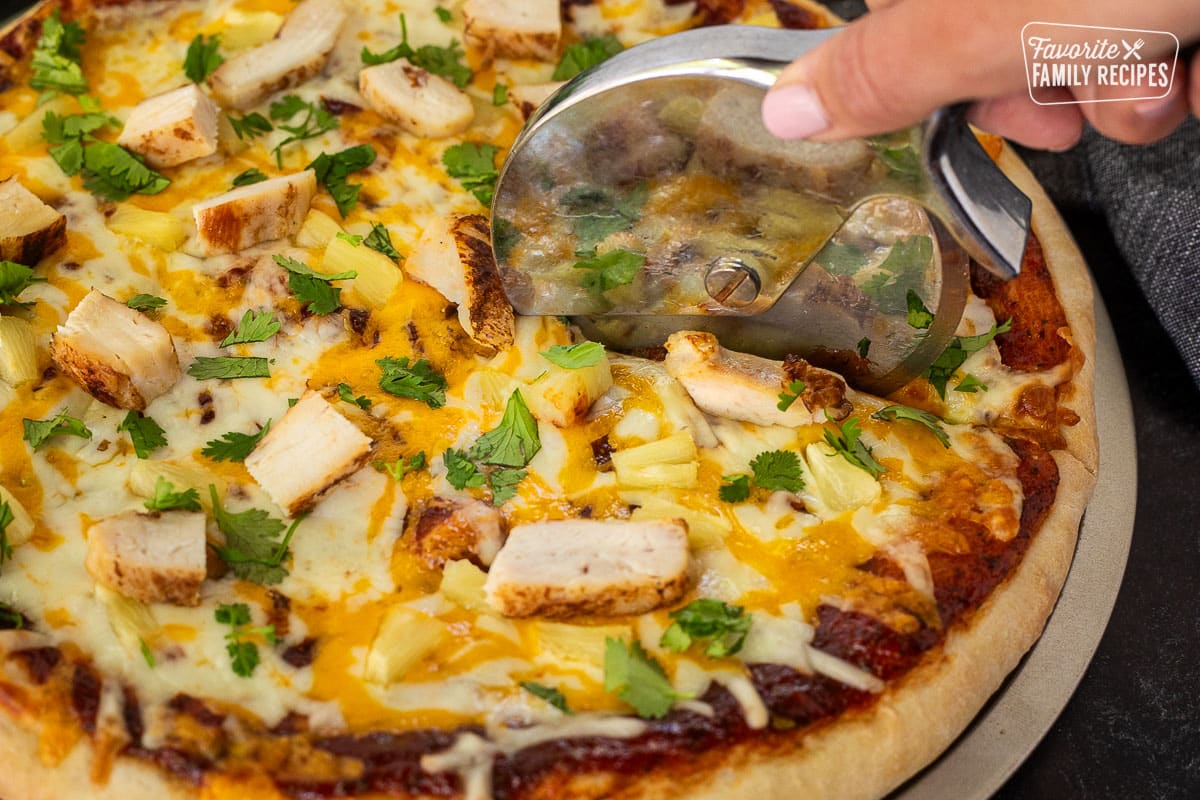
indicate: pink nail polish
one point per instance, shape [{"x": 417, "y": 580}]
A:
[{"x": 794, "y": 112}]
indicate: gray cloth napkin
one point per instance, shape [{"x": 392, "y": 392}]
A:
[{"x": 1150, "y": 197}]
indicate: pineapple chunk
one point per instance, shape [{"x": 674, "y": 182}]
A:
[
  {"x": 669, "y": 462},
  {"x": 28, "y": 132},
  {"x": 576, "y": 644},
  {"x": 21, "y": 527},
  {"x": 462, "y": 584},
  {"x": 835, "y": 485},
  {"x": 145, "y": 474},
  {"x": 405, "y": 637},
  {"x": 18, "y": 355},
  {"x": 131, "y": 620},
  {"x": 378, "y": 276},
  {"x": 488, "y": 388},
  {"x": 156, "y": 228},
  {"x": 318, "y": 229},
  {"x": 563, "y": 396},
  {"x": 242, "y": 29},
  {"x": 704, "y": 530}
]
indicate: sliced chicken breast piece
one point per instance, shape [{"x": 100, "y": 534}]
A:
[
  {"x": 572, "y": 567},
  {"x": 527, "y": 97},
  {"x": 452, "y": 529},
  {"x": 420, "y": 102},
  {"x": 119, "y": 356},
  {"x": 154, "y": 558},
  {"x": 454, "y": 256},
  {"x": 299, "y": 52},
  {"x": 30, "y": 230},
  {"x": 249, "y": 215},
  {"x": 746, "y": 387},
  {"x": 171, "y": 128},
  {"x": 306, "y": 454},
  {"x": 514, "y": 28}
]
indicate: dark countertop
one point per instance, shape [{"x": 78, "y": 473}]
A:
[{"x": 1132, "y": 729}]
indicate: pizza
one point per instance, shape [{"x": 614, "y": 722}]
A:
[{"x": 294, "y": 505}]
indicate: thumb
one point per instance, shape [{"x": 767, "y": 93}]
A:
[{"x": 893, "y": 67}]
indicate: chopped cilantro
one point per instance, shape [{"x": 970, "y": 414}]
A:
[
  {"x": 402, "y": 466},
  {"x": 503, "y": 483},
  {"x": 145, "y": 302},
  {"x": 38, "y": 431},
  {"x": 249, "y": 177},
  {"x": 146, "y": 434},
  {"x": 841, "y": 259},
  {"x": 970, "y": 385},
  {"x": 346, "y": 394},
  {"x": 897, "y": 412},
  {"x": 614, "y": 268},
  {"x": 229, "y": 367},
  {"x": 864, "y": 347},
  {"x": 575, "y": 356},
  {"x": 14, "y": 279},
  {"x": 254, "y": 327},
  {"x": 548, "y": 693},
  {"x": 597, "y": 213},
  {"x": 956, "y": 353},
  {"x": 416, "y": 380},
  {"x": 918, "y": 315},
  {"x": 243, "y": 655},
  {"x": 250, "y": 126},
  {"x": 736, "y": 489},
  {"x": 475, "y": 168},
  {"x": 251, "y": 549},
  {"x": 445, "y": 61},
  {"x": 902, "y": 161},
  {"x": 725, "y": 627},
  {"x": 583, "y": 55},
  {"x": 167, "y": 499},
  {"x": 512, "y": 443},
  {"x": 332, "y": 171},
  {"x": 313, "y": 288},
  {"x": 381, "y": 241},
  {"x": 234, "y": 446},
  {"x": 902, "y": 270},
  {"x": 461, "y": 472},
  {"x": 790, "y": 395},
  {"x": 499, "y": 94},
  {"x": 146, "y": 653},
  {"x": 316, "y": 121},
  {"x": 777, "y": 470},
  {"x": 504, "y": 237},
  {"x": 442, "y": 13},
  {"x": 55, "y": 64},
  {"x": 202, "y": 58},
  {"x": 849, "y": 446},
  {"x": 637, "y": 679},
  {"x": 6, "y": 518}
]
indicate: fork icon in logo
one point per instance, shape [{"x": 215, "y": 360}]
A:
[{"x": 1132, "y": 49}]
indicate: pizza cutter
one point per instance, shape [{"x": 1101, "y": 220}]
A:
[{"x": 645, "y": 197}]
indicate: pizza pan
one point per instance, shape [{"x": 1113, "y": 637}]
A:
[{"x": 1014, "y": 721}]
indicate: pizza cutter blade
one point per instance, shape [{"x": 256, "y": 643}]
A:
[{"x": 645, "y": 197}]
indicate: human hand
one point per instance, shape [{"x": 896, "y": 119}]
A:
[{"x": 894, "y": 66}]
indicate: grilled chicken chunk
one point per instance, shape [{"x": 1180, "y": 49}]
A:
[
  {"x": 296, "y": 54},
  {"x": 451, "y": 529},
  {"x": 514, "y": 28},
  {"x": 455, "y": 257},
  {"x": 260, "y": 212},
  {"x": 421, "y": 103},
  {"x": 119, "y": 356},
  {"x": 30, "y": 230},
  {"x": 306, "y": 454},
  {"x": 154, "y": 558},
  {"x": 571, "y": 567},
  {"x": 741, "y": 386},
  {"x": 171, "y": 128},
  {"x": 527, "y": 97}
]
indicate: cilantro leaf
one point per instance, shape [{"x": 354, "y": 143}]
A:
[
  {"x": 10, "y": 618},
  {"x": 147, "y": 653},
  {"x": 474, "y": 167},
  {"x": 243, "y": 655},
  {"x": 790, "y": 395},
  {"x": 251, "y": 549},
  {"x": 313, "y": 288},
  {"x": 575, "y": 356},
  {"x": 736, "y": 489},
  {"x": 902, "y": 161},
  {"x": 202, "y": 58},
  {"x": 503, "y": 483},
  {"x": 402, "y": 466},
  {"x": 300, "y": 268},
  {"x": 250, "y": 126},
  {"x": 499, "y": 94},
  {"x": 504, "y": 238},
  {"x": 6, "y": 518},
  {"x": 381, "y": 241},
  {"x": 254, "y": 327},
  {"x": 864, "y": 347},
  {"x": 114, "y": 173},
  {"x": 249, "y": 177},
  {"x": 842, "y": 259},
  {"x": 548, "y": 693},
  {"x": 444, "y": 61},
  {"x": 956, "y": 353},
  {"x": 167, "y": 499},
  {"x": 918, "y": 315},
  {"x": 596, "y": 213},
  {"x": 897, "y": 412},
  {"x": 850, "y": 447},
  {"x": 229, "y": 367},
  {"x": 234, "y": 446},
  {"x": 724, "y": 625},
  {"x": 332, "y": 171},
  {"x": 637, "y": 679},
  {"x": 461, "y": 472},
  {"x": 67, "y": 135},
  {"x": 777, "y": 470},
  {"x": 585, "y": 55},
  {"x": 416, "y": 380},
  {"x": 316, "y": 121},
  {"x": 347, "y": 395},
  {"x": 14, "y": 279},
  {"x": 353, "y": 238},
  {"x": 55, "y": 63},
  {"x": 442, "y": 13},
  {"x": 146, "y": 434},
  {"x": 512, "y": 443},
  {"x": 903, "y": 270},
  {"x": 970, "y": 385},
  {"x": 235, "y": 614},
  {"x": 614, "y": 268},
  {"x": 38, "y": 431},
  {"x": 145, "y": 302}
]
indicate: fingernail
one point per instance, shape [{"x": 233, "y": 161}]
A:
[{"x": 794, "y": 112}]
